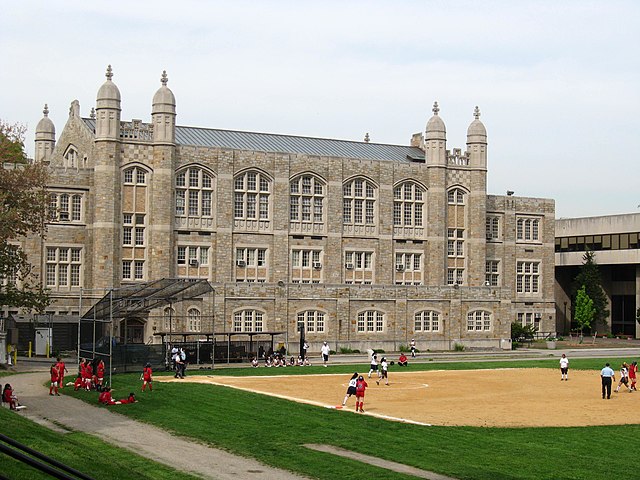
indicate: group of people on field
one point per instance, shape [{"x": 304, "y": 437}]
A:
[
  {"x": 279, "y": 360},
  {"x": 179, "y": 362},
  {"x": 90, "y": 375},
  {"x": 628, "y": 378}
]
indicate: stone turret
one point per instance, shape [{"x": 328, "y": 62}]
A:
[
  {"x": 477, "y": 142},
  {"x": 163, "y": 114},
  {"x": 108, "y": 110},
  {"x": 435, "y": 140},
  {"x": 45, "y": 138}
]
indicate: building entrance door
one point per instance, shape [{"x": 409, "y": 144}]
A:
[{"x": 623, "y": 315}]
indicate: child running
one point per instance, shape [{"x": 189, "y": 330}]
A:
[
  {"x": 351, "y": 389},
  {"x": 624, "y": 377},
  {"x": 384, "y": 371},
  {"x": 374, "y": 365},
  {"x": 147, "y": 378},
  {"x": 361, "y": 386}
]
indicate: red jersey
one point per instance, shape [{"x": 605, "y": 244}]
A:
[
  {"x": 632, "y": 371},
  {"x": 61, "y": 368},
  {"x": 361, "y": 385},
  {"x": 83, "y": 370},
  {"x": 55, "y": 373},
  {"x": 7, "y": 394},
  {"x": 130, "y": 399},
  {"x": 100, "y": 370},
  {"x": 105, "y": 397},
  {"x": 146, "y": 374}
]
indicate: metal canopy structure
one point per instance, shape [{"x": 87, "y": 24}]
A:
[{"x": 141, "y": 298}]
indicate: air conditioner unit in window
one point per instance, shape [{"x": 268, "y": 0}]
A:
[
  {"x": 348, "y": 266},
  {"x": 317, "y": 265},
  {"x": 181, "y": 261},
  {"x": 241, "y": 263},
  {"x": 399, "y": 267},
  {"x": 193, "y": 262}
]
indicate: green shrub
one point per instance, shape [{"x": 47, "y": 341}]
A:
[
  {"x": 458, "y": 347},
  {"x": 349, "y": 350}
]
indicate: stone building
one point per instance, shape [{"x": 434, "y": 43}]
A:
[{"x": 367, "y": 245}]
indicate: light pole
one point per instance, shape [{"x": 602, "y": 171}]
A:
[{"x": 565, "y": 318}]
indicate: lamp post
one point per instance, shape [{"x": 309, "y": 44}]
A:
[{"x": 565, "y": 318}]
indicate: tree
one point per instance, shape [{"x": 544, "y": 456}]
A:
[
  {"x": 584, "y": 310},
  {"x": 23, "y": 210},
  {"x": 589, "y": 278}
]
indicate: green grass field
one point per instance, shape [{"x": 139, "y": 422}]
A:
[{"x": 274, "y": 431}]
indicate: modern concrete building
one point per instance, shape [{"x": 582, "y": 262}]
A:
[
  {"x": 614, "y": 240},
  {"x": 366, "y": 244}
]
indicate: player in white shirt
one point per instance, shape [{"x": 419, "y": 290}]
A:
[{"x": 564, "y": 367}]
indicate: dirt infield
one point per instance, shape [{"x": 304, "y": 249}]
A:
[{"x": 492, "y": 398}]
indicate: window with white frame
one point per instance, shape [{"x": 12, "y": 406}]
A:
[
  {"x": 252, "y": 192},
  {"x": 194, "y": 321},
  {"x": 456, "y": 196},
  {"x": 133, "y": 230},
  {"x": 370, "y": 321},
  {"x": 358, "y": 267},
  {"x": 135, "y": 176},
  {"x": 455, "y": 242},
  {"x": 63, "y": 267},
  {"x": 194, "y": 189},
  {"x": 134, "y": 234},
  {"x": 306, "y": 265},
  {"x": 492, "y": 273},
  {"x": 427, "y": 321},
  {"x": 65, "y": 207},
  {"x": 313, "y": 321},
  {"x": 70, "y": 157},
  {"x": 359, "y": 202},
  {"x": 133, "y": 270},
  {"x": 528, "y": 277},
  {"x": 408, "y": 205},
  {"x": 528, "y": 229},
  {"x": 306, "y": 202},
  {"x": 251, "y": 264},
  {"x": 479, "y": 321},
  {"x": 248, "y": 321},
  {"x": 530, "y": 318},
  {"x": 455, "y": 276},
  {"x": 492, "y": 227},
  {"x": 193, "y": 255},
  {"x": 408, "y": 268}
]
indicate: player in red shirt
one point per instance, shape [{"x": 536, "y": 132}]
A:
[
  {"x": 88, "y": 369},
  {"x": 62, "y": 369},
  {"x": 105, "y": 397},
  {"x": 633, "y": 370},
  {"x": 55, "y": 376},
  {"x": 99, "y": 375},
  {"x": 78, "y": 383},
  {"x": 130, "y": 399},
  {"x": 147, "y": 377},
  {"x": 361, "y": 385}
]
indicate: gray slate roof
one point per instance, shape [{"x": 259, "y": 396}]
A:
[{"x": 269, "y": 142}]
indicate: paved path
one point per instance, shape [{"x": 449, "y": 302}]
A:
[{"x": 65, "y": 412}]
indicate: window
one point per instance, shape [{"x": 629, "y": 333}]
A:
[
  {"x": 168, "y": 319},
  {"x": 135, "y": 176},
  {"x": 408, "y": 268},
  {"x": 252, "y": 196},
  {"x": 455, "y": 242},
  {"x": 313, "y": 321},
  {"x": 370, "y": 321},
  {"x": 194, "y": 323},
  {"x": 306, "y": 265},
  {"x": 493, "y": 227},
  {"x": 71, "y": 157},
  {"x": 358, "y": 267},
  {"x": 194, "y": 194},
  {"x": 251, "y": 264},
  {"x": 359, "y": 202},
  {"x": 65, "y": 207},
  {"x": 63, "y": 267},
  {"x": 528, "y": 277},
  {"x": 491, "y": 273},
  {"x": 527, "y": 229},
  {"x": 248, "y": 321},
  {"x": 408, "y": 205},
  {"x": 479, "y": 321},
  {"x": 455, "y": 276},
  {"x": 427, "y": 321},
  {"x": 133, "y": 270},
  {"x": 530, "y": 318},
  {"x": 456, "y": 196},
  {"x": 306, "y": 202},
  {"x": 133, "y": 228}
]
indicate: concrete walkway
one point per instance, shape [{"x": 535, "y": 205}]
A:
[{"x": 65, "y": 412}]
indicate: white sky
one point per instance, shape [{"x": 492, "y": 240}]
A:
[{"x": 557, "y": 82}]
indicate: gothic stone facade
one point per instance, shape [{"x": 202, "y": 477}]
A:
[{"x": 368, "y": 245}]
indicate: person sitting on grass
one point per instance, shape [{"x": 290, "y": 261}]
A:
[
  {"x": 254, "y": 362},
  {"x": 402, "y": 361},
  {"x": 9, "y": 397},
  {"x": 105, "y": 397}
]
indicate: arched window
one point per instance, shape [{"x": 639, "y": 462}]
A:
[
  {"x": 408, "y": 205},
  {"x": 456, "y": 196},
  {"x": 252, "y": 192},
  {"x": 135, "y": 176},
  {"x": 169, "y": 319},
  {"x": 479, "y": 321},
  {"x": 71, "y": 157},
  {"x": 306, "y": 203},
  {"x": 248, "y": 321},
  {"x": 313, "y": 321},
  {"x": 359, "y": 202},
  {"x": 134, "y": 223},
  {"x": 370, "y": 321},
  {"x": 427, "y": 321},
  {"x": 194, "y": 193},
  {"x": 194, "y": 323}
]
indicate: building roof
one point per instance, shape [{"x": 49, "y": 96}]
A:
[{"x": 270, "y": 142}]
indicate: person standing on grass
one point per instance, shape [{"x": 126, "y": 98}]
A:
[
  {"x": 147, "y": 377},
  {"x": 607, "y": 376},
  {"x": 325, "y": 353},
  {"x": 624, "y": 377},
  {"x": 564, "y": 367},
  {"x": 62, "y": 369},
  {"x": 412, "y": 345},
  {"x": 100, "y": 376},
  {"x": 351, "y": 389},
  {"x": 633, "y": 370},
  {"x": 55, "y": 377},
  {"x": 361, "y": 386},
  {"x": 384, "y": 371}
]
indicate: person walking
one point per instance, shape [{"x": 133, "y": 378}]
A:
[
  {"x": 564, "y": 367},
  {"x": 62, "y": 369},
  {"x": 633, "y": 370},
  {"x": 55, "y": 377},
  {"x": 607, "y": 375},
  {"x": 624, "y": 377},
  {"x": 325, "y": 353},
  {"x": 351, "y": 389},
  {"x": 147, "y": 377},
  {"x": 384, "y": 371},
  {"x": 412, "y": 345},
  {"x": 361, "y": 386}
]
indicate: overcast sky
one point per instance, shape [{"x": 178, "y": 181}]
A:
[{"x": 557, "y": 82}]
